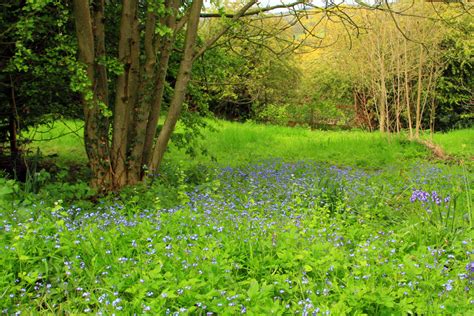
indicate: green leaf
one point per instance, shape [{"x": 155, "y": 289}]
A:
[{"x": 253, "y": 290}]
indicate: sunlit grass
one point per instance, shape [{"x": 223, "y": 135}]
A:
[
  {"x": 267, "y": 238},
  {"x": 64, "y": 139},
  {"x": 458, "y": 142},
  {"x": 288, "y": 236},
  {"x": 236, "y": 143},
  {"x": 240, "y": 143}
]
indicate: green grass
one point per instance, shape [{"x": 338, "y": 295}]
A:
[
  {"x": 64, "y": 139},
  {"x": 285, "y": 236},
  {"x": 240, "y": 143},
  {"x": 236, "y": 143},
  {"x": 459, "y": 143},
  {"x": 270, "y": 238}
]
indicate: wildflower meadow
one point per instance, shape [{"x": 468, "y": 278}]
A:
[{"x": 274, "y": 237}]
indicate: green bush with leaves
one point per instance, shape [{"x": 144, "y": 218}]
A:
[
  {"x": 456, "y": 85},
  {"x": 274, "y": 114}
]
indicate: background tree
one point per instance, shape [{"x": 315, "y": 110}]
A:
[
  {"x": 455, "y": 87},
  {"x": 250, "y": 68},
  {"x": 36, "y": 50},
  {"x": 139, "y": 86},
  {"x": 395, "y": 62}
]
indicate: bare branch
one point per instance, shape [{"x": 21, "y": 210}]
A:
[
  {"x": 391, "y": 13},
  {"x": 235, "y": 17},
  {"x": 252, "y": 12}
]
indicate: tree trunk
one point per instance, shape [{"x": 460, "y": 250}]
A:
[
  {"x": 366, "y": 111},
  {"x": 13, "y": 125},
  {"x": 383, "y": 98},
  {"x": 147, "y": 91},
  {"x": 428, "y": 90},
  {"x": 123, "y": 98},
  {"x": 407, "y": 91},
  {"x": 418, "y": 94},
  {"x": 101, "y": 87},
  {"x": 135, "y": 86},
  {"x": 154, "y": 114},
  {"x": 13, "y": 135},
  {"x": 398, "y": 88},
  {"x": 182, "y": 80},
  {"x": 96, "y": 146},
  {"x": 432, "y": 116}
]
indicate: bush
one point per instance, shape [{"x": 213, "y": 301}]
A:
[{"x": 276, "y": 114}]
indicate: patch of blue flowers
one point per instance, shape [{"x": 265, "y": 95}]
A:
[{"x": 284, "y": 238}]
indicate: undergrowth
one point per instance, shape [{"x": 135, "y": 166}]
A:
[
  {"x": 342, "y": 223},
  {"x": 274, "y": 237}
]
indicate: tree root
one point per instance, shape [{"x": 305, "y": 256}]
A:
[{"x": 435, "y": 150}]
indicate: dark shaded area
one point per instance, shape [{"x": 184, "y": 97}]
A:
[{"x": 34, "y": 77}]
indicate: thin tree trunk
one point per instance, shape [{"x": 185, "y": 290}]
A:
[
  {"x": 383, "y": 98},
  {"x": 13, "y": 135},
  {"x": 147, "y": 92},
  {"x": 154, "y": 114},
  {"x": 407, "y": 91},
  {"x": 182, "y": 80},
  {"x": 13, "y": 125},
  {"x": 418, "y": 94},
  {"x": 123, "y": 99},
  {"x": 428, "y": 91},
  {"x": 433, "y": 101},
  {"x": 134, "y": 88},
  {"x": 95, "y": 148},
  {"x": 366, "y": 111},
  {"x": 432, "y": 116},
  {"x": 101, "y": 88},
  {"x": 398, "y": 88},
  {"x": 376, "y": 48}
]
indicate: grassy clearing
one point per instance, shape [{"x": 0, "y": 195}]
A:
[
  {"x": 290, "y": 222},
  {"x": 237, "y": 144},
  {"x": 273, "y": 238},
  {"x": 249, "y": 142}
]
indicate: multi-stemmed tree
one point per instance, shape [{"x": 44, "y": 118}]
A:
[
  {"x": 124, "y": 50},
  {"x": 147, "y": 32}
]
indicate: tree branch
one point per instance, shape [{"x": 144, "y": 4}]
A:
[
  {"x": 252, "y": 12},
  {"x": 211, "y": 41}
]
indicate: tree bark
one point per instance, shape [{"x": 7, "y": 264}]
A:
[
  {"x": 428, "y": 90},
  {"x": 383, "y": 123},
  {"x": 418, "y": 93},
  {"x": 101, "y": 88},
  {"x": 407, "y": 90},
  {"x": 154, "y": 114},
  {"x": 123, "y": 98},
  {"x": 383, "y": 97},
  {"x": 147, "y": 92},
  {"x": 182, "y": 80},
  {"x": 13, "y": 125},
  {"x": 432, "y": 116},
  {"x": 398, "y": 88},
  {"x": 96, "y": 149},
  {"x": 135, "y": 85}
]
